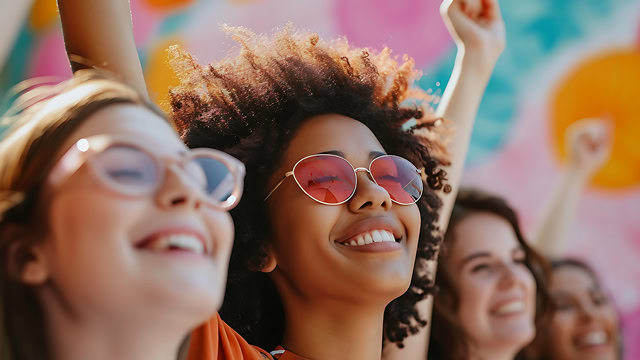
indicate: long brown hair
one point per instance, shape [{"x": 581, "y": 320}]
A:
[
  {"x": 27, "y": 154},
  {"x": 448, "y": 338}
]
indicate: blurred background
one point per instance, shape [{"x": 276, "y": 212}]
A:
[{"x": 565, "y": 60}]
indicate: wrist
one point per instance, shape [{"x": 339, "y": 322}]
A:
[
  {"x": 577, "y": 174},
  {"x": 480, "y": 59},
  {"x": 469, "y": 64}
]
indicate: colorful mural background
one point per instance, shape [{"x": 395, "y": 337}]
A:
[{"x": 565, "y": 60}]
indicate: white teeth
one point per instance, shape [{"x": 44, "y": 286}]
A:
[
  {"x": 368, "y": 239},
  {"x": 371, "y": 237},
  {"x": 187, "y": 242},
  {"x": 594, "y": 338},
  {"x": 182, "y": 241},
  {"x": 510, "y": 308}
]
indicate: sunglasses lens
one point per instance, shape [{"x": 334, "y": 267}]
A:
[
  {"x": 327, "y": 179},
  {"x": 126, "y": 169},
  {"x": 214, "y": 176},
  {"x": 399, "y": 177}
]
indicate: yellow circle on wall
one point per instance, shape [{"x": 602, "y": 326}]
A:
[
  {"x": 605, "y": 86},
  {"x": 159, "y": 75}
]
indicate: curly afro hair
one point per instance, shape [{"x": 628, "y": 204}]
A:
[{"x": 251, "y": 104}]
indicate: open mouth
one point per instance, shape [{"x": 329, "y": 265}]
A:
[
  {"x": 174, "y": 242},
  {"x": 592, "y": 339},
  {"x": 370, "y": 237},
  {"x": 509, "y": 308}
]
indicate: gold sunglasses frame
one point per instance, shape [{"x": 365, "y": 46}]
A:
[{"x": 355, "y": 171}]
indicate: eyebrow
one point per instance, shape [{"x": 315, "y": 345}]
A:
[
  {"x": 372, "y": 154},
  {"x": 560, "y": 294},
  {"x": 484, "y": 254},
  {"x": 472, "y": 257}
]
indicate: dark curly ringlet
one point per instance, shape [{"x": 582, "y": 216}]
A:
[{"x": 251, "y": 105}]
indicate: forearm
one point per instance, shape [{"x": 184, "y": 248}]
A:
[
  {"x": 551, "y": 235},
  {"x": 416, "y": 345},
  {"x": 459, "y": 106},
  {"x": 101, "y": 33}
]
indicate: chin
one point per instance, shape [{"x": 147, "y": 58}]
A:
[
  {"x": 390, "y": 287},
  {"x": 195, "y": 295},
  {"x": 194, "y": 309},
  {"x": 519, "y": 335}
]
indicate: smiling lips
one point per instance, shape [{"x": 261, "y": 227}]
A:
[
  {"x": 174, "y": 241},
  {"x": 509, "y": 308},
  {"x": 592, "y": 339},
  {"x": 370, "y": 237}
]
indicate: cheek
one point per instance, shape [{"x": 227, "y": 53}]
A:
[
  {"x": 610, "y": 315},
  {"x": 81, "y": 207},
  {"x": 562, "y": 324},
  {"x": 89, "y": 244},
  {"x": 528, "y": 284},
  {"x": 302, "y": 246},
  {"x": 80, "y": 216},
  {"x": 220, "y": 226},
  {"x": 301, "y": 222},
  {"x": 560, "y": 334},
  {"x": 474, "y": 292},
  {"x": 410, "y": 218}
]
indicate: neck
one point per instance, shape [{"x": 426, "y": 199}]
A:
[
  {"x": 336, "y": 330},
  {"x": 73, "y": 336}
]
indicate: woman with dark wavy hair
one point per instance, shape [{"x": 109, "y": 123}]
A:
[
  {"x": 492, "y": 286},
  {"x": 343, "y": 206}
]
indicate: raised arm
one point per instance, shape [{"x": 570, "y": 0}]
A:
[
  {"x": 588, "y": 148},
  {"x": 100, "y": 33},
  {"x": 478, "y": 30},
  {"x": 479, "y": 33}
]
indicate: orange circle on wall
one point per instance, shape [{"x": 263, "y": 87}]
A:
[
  {"x": 604, "y": 86},
  {"x": 168, "y": 4}
]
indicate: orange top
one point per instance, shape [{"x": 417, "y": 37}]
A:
[
  {"x": 215, "y": 340},
  {"x": 281, "y": 354}
]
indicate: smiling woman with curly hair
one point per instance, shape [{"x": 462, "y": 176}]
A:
[
  {"x": 269, "y": 107},
  {"x": 343, "y": 208}
]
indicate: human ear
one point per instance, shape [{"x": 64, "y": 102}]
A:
[
  {"x": 269, "y": 263},
  {"x": 28, "y": 263}
]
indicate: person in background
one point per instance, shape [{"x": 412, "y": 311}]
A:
[
  {"x": 491, "y": 284},
  {"x": 585, "y": 323}
]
